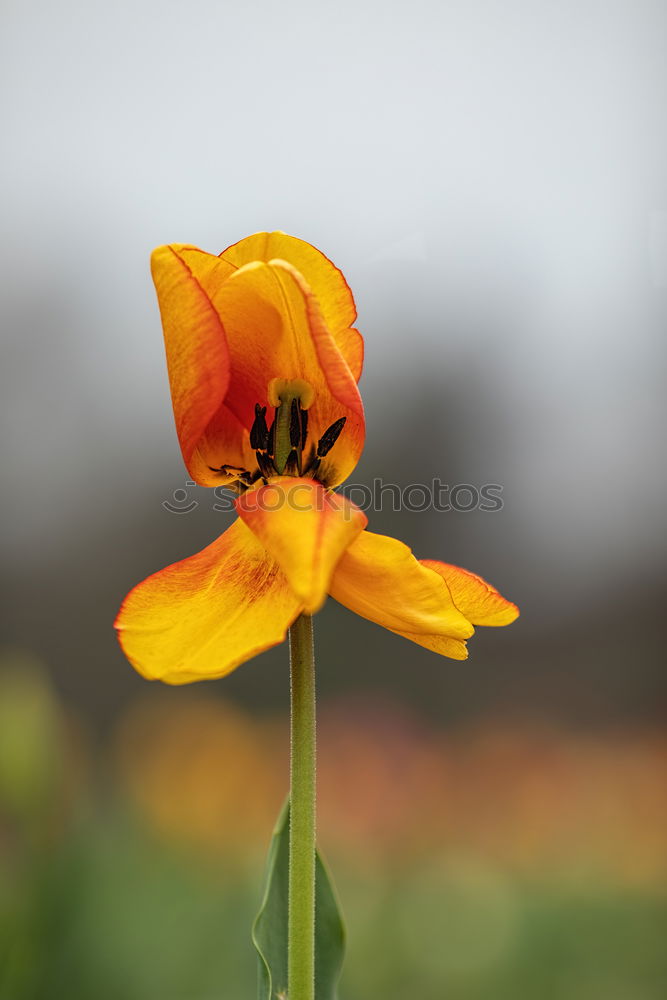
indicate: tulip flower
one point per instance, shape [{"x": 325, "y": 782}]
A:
[
  {"x": 264, "y": 361},
  {"x": 263, "y": 364}
]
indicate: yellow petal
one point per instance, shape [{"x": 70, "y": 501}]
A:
[
  {"x": 202, "y": 617},
  {"x": 305, "y": 528},
  {"x": 455, "y": 649},
  {"x": 478, "y": 600},
  {"x": 380, "y": 579},
  {"x": 327, "y": 283}
]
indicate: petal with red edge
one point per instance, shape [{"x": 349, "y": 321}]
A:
[
  {"x": 327, "y": 283},
  {"x": 478, "y": 600},
  {"x": 197, "y": 355},
  {"x": 350, "y": 343},
  {"x": 202, "y": 617},
  {"x": 379, "y": 578},
  {"x": 305, "y": 528},
  {"x": 274, "y": 329}
]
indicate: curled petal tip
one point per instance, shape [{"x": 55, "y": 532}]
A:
[
  {"x": 380, "y": 579},
  {"x": 478, "y": 600}
]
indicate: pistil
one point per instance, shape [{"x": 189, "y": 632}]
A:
[
  {"x": 286, "y": 437},
  {"x": 285, "y": 425}
]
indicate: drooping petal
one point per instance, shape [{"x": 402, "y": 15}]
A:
[
  {"x": 305, "y": 528},
  {"x": 204, "y": 616},
  {"x": 478, "y": 600},
  {"x": 327, "y": 283},
  {"x": 273, "y": 328},
  {"x": 379, "y": 578}
]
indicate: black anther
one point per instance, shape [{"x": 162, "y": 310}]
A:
[
  {"x": 295, "y": 425},
  {"x": 230, "y": 470},
  {"x": 271, "y": 442},
  {"x": 259, "y": 432},
  {"x": 329, "y": 438}
]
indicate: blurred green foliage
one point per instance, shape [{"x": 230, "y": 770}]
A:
[
  {"x": 131, "y": 866},
  {"x": 110, "y": 914}
]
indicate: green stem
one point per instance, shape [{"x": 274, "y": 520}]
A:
[{"x": 301, "y": 918}]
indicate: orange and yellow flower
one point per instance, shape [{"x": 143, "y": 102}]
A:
[{"x": 267, "y": 328}]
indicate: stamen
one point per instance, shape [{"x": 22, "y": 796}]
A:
[
  {"x": 259, "y": 432},
  {"x": 265, "y": 465},
  {"x": 312, "y": 464},
  {"x": 230, "y": 470},
  {"x": 295, "y": 425},
  {"x": 330, "y": 436},
  {"x": 293, "y": 464},
  {"x": 280, "y": 448}
]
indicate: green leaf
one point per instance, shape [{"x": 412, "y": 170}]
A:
[{"x": 269, "y": 932}]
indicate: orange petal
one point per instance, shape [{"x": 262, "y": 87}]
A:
[
  {"x": 327, "y": 283},
  {"x": 380, "y": 579},
  {"x": 197, "y": 355},
  {"x": 481, "y": 603},
  {"x": 202, "y": 617},
  {"x": 350, "y": 343},
  {"x": 305, "y": 528},
  {"x": 273, "y": 328}
]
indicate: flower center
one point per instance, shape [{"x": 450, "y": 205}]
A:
[{"x": 280, "y": 449}]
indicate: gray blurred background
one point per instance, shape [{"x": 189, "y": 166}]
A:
[{"x": 492, "y": 180}]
